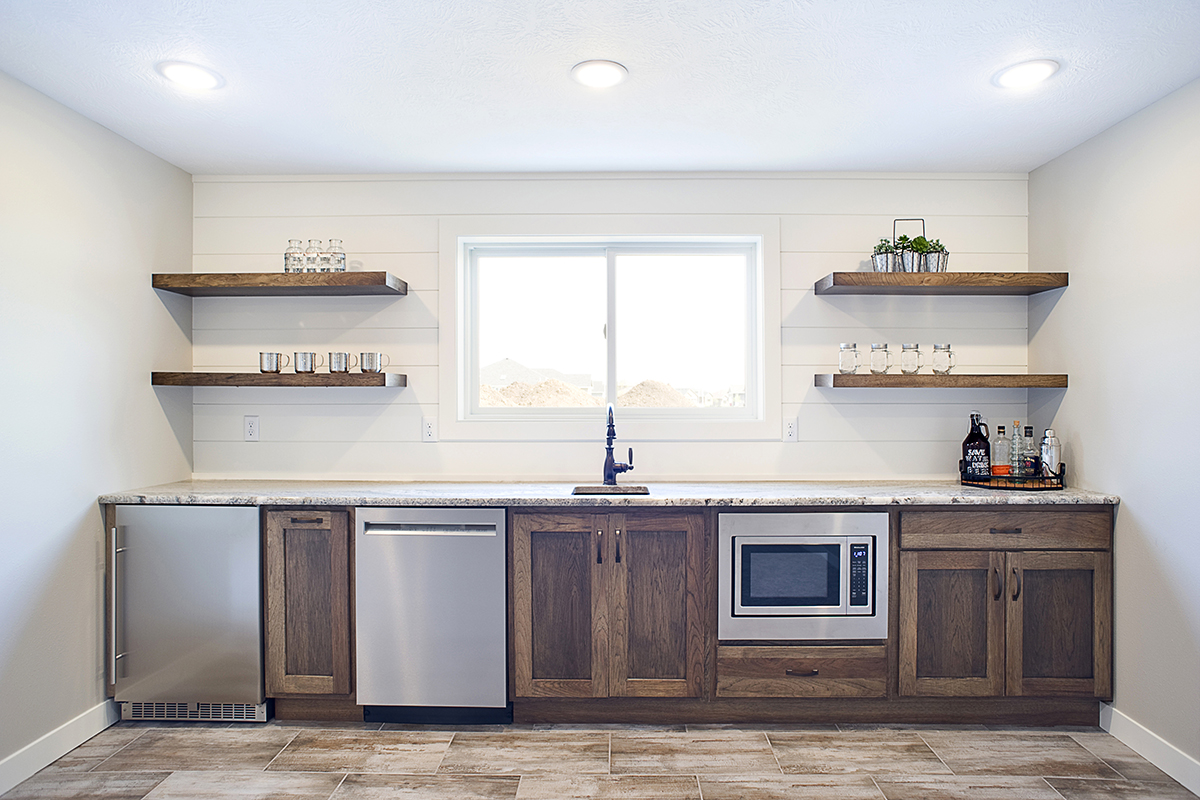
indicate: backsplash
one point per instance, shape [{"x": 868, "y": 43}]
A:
[{"x": 826, "y": 223}]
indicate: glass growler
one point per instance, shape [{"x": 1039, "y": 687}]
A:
[{"x": 977, "y": 457}]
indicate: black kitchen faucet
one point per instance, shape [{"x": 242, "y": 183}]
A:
[{"x": 612, "y": 467}]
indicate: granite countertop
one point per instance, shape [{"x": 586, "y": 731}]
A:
[{"x": 758, "y": 493}]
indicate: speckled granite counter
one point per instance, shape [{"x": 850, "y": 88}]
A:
[{"x": 782, "y": 493}]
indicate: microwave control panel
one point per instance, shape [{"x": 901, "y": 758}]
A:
[{"x": 859, "y": 595}]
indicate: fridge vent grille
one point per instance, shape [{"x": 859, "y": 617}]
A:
[{"x": 228, "y": 712}]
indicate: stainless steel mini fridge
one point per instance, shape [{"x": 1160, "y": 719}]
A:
[{"x": 185, "y": 635}]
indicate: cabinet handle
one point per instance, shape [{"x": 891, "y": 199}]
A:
[
  {"x": 599, "y": 547},
  {"x": 1013, "y": 531},
  {"x": 1017, "y": 588},
  {"x": 812, "y": 673},
  {"x": 618, "y": 545},
  {"x": 298, "y": 521},
  {"x": 999, "y": 584}
]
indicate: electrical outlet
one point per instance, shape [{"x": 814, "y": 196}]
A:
[
  {"x": 250, "y": 428},
  {"x": 789, "y": 429},
  {"x": 429, "y": 429}
]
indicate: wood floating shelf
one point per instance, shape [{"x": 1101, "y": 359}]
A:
[
  {"x": 277, "y": 379},
  {"x": 901, "y": 381},
  {"x": 929, "y": 283},
  {"x": 279, "y": 284}
]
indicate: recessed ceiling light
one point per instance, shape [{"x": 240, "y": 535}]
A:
[
  {"x": 1026, "y": 74},
  {"x": 599, "y": 74},
  {"x": 189, "y": 76}
]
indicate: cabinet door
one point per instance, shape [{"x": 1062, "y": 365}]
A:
[
  {"x": 308, "y": 602},
  {"x": 560, "y": 612},
  {"x": 1059, "y": 623},
  {"x": 654, "y": 576},
  {"x": 951, "y": 623}
]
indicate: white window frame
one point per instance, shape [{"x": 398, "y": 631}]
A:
[{"x": 461, "y": 419}]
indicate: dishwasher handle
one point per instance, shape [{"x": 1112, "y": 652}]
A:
[{"x": 430, "y": 529}]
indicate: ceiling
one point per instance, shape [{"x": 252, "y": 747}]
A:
[{"x": 354, "y": 86}]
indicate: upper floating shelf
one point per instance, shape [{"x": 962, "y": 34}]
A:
[
  {"x": 277, "y": 379},
  {"x": 963, "y": 283},
  {"x": 279, "y": 284},
  {"x": 902, "y": 381}
]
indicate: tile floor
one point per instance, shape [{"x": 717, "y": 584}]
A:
[{"x": 298, "y": 761}]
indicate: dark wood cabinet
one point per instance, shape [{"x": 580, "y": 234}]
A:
[
  {"x": 608, "y": 604},
  {"x": 1020, "y": 622},
  {"x": 308, "y": 605}
]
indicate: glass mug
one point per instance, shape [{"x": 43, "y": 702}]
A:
[
  {"x": 342, "y": 362},
  {"x": 881, "y": 359},
  {"x": 911, "y": 359},
  {"x": 373, "y": 362},
  {"x": 272, "y": 362},
  {"x": 943, "y": 359},
  {"x": 307, "y": 362},
  {"x": 848, "y": 358}
]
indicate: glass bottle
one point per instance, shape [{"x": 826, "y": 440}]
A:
[
  {"x": 1032, "y": 463},
  {"x": 293, "y": 257},
  {"x": 312, "y": 256},
  {"x": 337, "y": 256},
  {"x": 1001, "y": 453},
  {"x": 881, "y": 359},
  {"x": 1051, "y": 453},
  {"x": 1016, "y": 449},
  {"x": 977, "y": 457}
]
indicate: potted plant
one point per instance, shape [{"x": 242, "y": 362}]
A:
[
  {"x": 884, "y": 257},
  {"x": 912, "y": 254},
  {"x": 937, "y": 257}
]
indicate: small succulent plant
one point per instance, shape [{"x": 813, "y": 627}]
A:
[
  {"x": 884, "y": 246},
  {"x": 904, "y": 243},
  {"x": 922, "y": 245}
]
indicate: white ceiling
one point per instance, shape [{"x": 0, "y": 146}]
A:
[{"x": 354, "y": 86}]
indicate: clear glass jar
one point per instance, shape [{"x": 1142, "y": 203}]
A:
[
  {"x": 943, "y": 359},
  {"x": 312, "y": 256},
  {"x": 337, "y": 256},
  {"x": 911, "y": 359},
  {"x": 293, "y": 257},
  {"x": 848, "y": 358},
  {"x": 881, "y": 359}
]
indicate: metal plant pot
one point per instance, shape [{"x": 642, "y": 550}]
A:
[
  {"x": 912, "y": 262},
  {"x": 936, "y": 262},
  {"x": 885, "y": 262}
]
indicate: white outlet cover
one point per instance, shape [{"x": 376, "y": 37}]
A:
[{"x": 429, "y": 431}]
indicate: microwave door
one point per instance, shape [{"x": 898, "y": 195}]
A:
[{"x": 803, "y": 576}]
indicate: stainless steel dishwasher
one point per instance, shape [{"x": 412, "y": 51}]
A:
[{"x": 431, "y": 615}]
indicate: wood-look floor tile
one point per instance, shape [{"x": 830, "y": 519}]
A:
[
  {"x": 881, "y": 752},
  {"x": 86, "y": 786},
  {"x": 96, "y": 750},
  {"x": 363, "y": 751},
  {"x": 988, "y": 753},
  {"x": 1076, "y": 789},
  {"x": 766, "y": 726},
  {"x": 247, "y": 786},
  {"x": 609, "y": 787},
  {"x": 964, "y": 787},
  {"x": 200, "y": 748},
  {"x": 1120, "y": 757},
  {"x": 527, "y": 752},
  {"x": 700, "y": 753},
  {"x": 790, "y": 787},
  {"x": 428, "y": 787}
]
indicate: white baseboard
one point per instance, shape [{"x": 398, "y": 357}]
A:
[
  {"x": 55, "y": 744},
  {"x": 1155, "y": 749}
]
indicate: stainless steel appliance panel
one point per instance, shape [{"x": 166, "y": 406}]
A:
[
  {"x": 188, "y": 604},
  {"x": 431, "y": 607}
]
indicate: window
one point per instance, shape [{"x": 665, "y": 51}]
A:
[{"x": 555, "y": 328}]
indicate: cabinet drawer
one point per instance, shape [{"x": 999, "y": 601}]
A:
[
  {"x": 802, "y": 671},
  {"x": 1006, "y": 530}
]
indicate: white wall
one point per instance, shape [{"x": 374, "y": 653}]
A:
[
  {"x": 85, "y": 217},
  {"x": 825, "y": 223},
  {"x": 1121, "y": 213}
]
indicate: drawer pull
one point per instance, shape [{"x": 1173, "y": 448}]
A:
[
  {"x": 1013, "y": 531},
  {"x": 812, "y": 673},
  {"x": 298, "y": 521}
]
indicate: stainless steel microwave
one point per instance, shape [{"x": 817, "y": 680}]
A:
[{"x": 803, "y": 576}]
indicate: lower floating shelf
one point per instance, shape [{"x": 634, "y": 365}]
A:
[
  {"x": 277, "y": 379},
  {"x": 901, "y": 381}
]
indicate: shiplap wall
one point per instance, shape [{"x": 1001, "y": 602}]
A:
[{"x": 826, "y": 223}]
